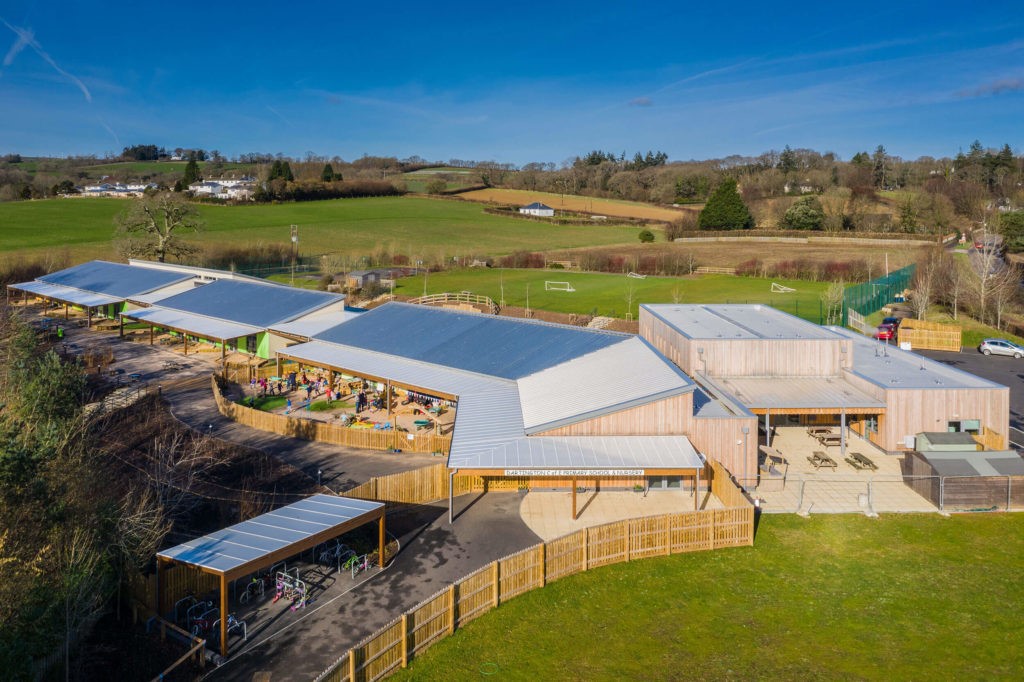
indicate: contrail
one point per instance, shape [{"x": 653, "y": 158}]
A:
[{"x": 26, "y": 38}]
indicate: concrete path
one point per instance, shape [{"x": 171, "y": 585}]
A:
[{"x": 434, "y": 554}]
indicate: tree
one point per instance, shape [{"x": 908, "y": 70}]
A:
[
  {"x": 832, "y": 299},
  {"x": 191, "y": 173},
  {"x": 327, "y": 175},
  {"x": 646, "y": 236},
  {"x": 151, "y": 227},
  {"x": 927, "y": 278},
  {"x": 881, "y": 162},
  {"x": 1012, "y": 227},
  {"x": 436, "y": 186},
  {"x": 725, "y": 209},
  {"x": 805, "y": 214},
  {"x": 787, "y": 161}
]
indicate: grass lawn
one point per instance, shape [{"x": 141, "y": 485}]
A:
[
  {"x": 422, "y": 229},
  {"x": 607, "y": 294},
  {"x": 323, "y": 405},
  {"x": 266, "y": 403},
  {"x": 904, "y": 597}
]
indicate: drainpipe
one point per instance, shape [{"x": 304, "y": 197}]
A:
[
  {"x": 746, "y": 459},
  {"x": 451, "y": 497}
]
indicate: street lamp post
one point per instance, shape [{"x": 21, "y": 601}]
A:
[{"x": 295, "y": 249}]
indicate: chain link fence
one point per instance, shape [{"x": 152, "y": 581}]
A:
[{"x": 872, "y": 296}]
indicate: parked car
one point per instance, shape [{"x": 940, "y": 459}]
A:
[
  {"x": 1000, "y": 347},
  {"x": 894, "y": 321},
  {"x": 885, "y": 332}
]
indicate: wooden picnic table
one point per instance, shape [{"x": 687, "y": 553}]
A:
[
  {"x": 860, "y": 462},
  {"x": 831, "y": 439},
  {"x": 819, "y": 430},
  {"x": 820, "y": 459}
]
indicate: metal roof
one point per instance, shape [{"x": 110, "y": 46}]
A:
[
  {"x": 311, "y": 326},
  {"x": 609, "y": 379},
  {"x": 587, "y": 452},
  {"x": 248, "y": 541},
  {"x": 199, "y": 325},
  {"x": 704, "y": 406},
  {"x": 486, "y": 344},
  {"x": 794, "y": 392},
  {"x": 252, "y": 303},
  {"x": 972, "y": 463},
  {"x": 894, "y": 369},
  {"x": 67, "y": 294},
  {"x": 490, "y": 431},
  {"x": 735, "y": 321},
  {"x": 206, "y": 273},
  {"x": 113, "y": 279}
]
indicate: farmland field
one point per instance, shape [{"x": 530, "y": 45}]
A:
[
  {"x": 136, "y": 169},
  {"x": 427, "y": 229},
  {"x": 607, "y": 294},
  {"x": 567, "y": 202},
  {"x": 833, "y": 597}
]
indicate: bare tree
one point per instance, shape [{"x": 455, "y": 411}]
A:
[
  {"x": 177, "y": 463},
  {"x": 152, "y": 227},
  {"x": 1004, "y": 291},
  {"x": 832, "y": 297},
  {"x": 953, "y": 283},
  {"x": 926, "y": 280}
]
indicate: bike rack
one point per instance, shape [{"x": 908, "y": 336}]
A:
[
  {"x": 233, "y": 624},
  {"x": 198, "y": 605},
  {"x": 187, "y": 598}
]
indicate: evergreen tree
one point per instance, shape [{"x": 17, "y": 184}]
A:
[
  {"x": 328, "y": 173},
  {"x": 725, "y": 210},
  {"x": 191, "y": 173},
  {"x": 880, "y": 159},
  {"x": 787, "y": 160},
  {"x": 805, "y": 214},
  {"x": 275, "y": 170},
  {"x": 286, "y": 171}
]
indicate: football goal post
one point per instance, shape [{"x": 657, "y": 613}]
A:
[
  {"x": 558, "y": 286},
  {"x": 635, "y": 275},
  {"x": 779, "y": 289}
]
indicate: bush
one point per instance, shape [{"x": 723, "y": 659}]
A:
[
  {"x": 805, "y": 214},
  {"x": 646, "y": 236},
  {"x": 725, "y": 210}
]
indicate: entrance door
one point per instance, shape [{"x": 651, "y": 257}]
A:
[{"x": 665, "y": 482}]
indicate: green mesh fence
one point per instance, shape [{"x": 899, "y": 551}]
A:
[{"x": 872, "y": 296}]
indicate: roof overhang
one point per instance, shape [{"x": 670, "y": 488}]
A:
[
  {"x": 65, "y": 294},
  {"x": 190, "y": 323},
  {"x": 797, "y": 395}
]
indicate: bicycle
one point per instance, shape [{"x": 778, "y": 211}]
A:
[
  {"x": 255, "y": 588},
  {"x": 359, "y": 564}
]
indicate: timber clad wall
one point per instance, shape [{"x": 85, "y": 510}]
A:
[
  {"x": 721, "y": 438},
  {"x": 667, "y": 340},
  {"x": 663, "y": 417},
  {"x": 911, "y": 411}
]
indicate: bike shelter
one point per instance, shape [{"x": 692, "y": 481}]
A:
[{"x": 260, "y": 542}]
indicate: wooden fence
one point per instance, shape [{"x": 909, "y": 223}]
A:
[
  {"x": 710, "y": 270},
  {"x": 394, "y": 645},
  {"x": 930, "y": 335},
  {"x": 311, "y": 429},
  {"x": 485, "y": 589},
  {"x": 458, "y": 299},
  {"x": 991, "y": 440}
]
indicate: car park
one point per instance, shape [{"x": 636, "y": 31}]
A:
[{"x": 1000, "y": 347}]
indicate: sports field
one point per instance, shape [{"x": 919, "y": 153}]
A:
[
  {"x": 607, "y": 294},
  {"x": 833, "y": 597},
  {"x": 568, "y": 202},
  {"x": 426, "y": 229}
]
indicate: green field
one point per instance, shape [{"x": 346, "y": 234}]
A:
[
  {"x": 140, "y": 168},
  {"x": 606, "y": 294},
  {"x": 422, "y": 229},
  {"x": 833, "y": 597}
]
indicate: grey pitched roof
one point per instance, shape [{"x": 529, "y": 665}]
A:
[
  {"x": 200, "y": 325},
  {"x": 251, "y": 303},
  {"x": 485, "y": 344},
  {"x": 537, "y": 204},
  {"x": 67, "y": 294},
  {"x": 113, "y": 279},
  {"x": 972, "y": 463}
]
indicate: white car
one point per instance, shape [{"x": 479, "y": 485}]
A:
[{"x": 1000, "y": 347}]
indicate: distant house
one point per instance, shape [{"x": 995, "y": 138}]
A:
[
  {"x": 357, "y": 279},
  {"x": 538, "y": 209},
  {"x": 224, "y": 188}
]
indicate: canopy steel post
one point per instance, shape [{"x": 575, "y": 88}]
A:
[
  {"x": 120, "y": 331},
  {"x": 224, "y": 358},
  {"x": 278, "y": 360},
  {"x": 380, "y": 538},
  {"x": 185, "y": 336},
  {"x": 451, "y": 495},
  {"x": 223, "y": 614},
  {"x": 66, "y": 311},
  {"x": 574, "y": 499},
  {"x": 88, "y": 317},
  {"x": 842, "y": 432},
  {"x": 159, "y": 588},
  {"x": 767, "y": 427},
  {"x": 696, "y": 490}
]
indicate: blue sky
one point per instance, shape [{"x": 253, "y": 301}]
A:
[{"x": 520, "y": 82}]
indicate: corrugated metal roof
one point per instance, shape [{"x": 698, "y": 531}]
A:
[
  {"x": 971, "y": 463},
  {"x": 260, "y": 305},
  {"x": 199, "y": 325},
  {"x": 587, "y": 452},
  {"x": 794, "y": 392},
  {"x": 113, "y": 279},
  {"x": 608, "y": 379},
  {"x": 310, "y": 327},
  {"x": 250, "y": 540},
  {"x": 208, "y": 273},
  {"x": 735, "y": 321},
  {"x": 894, "y": 369},
  {"x": 704, "y": 406},
  {"x": 67, "y": 294},
  {"x": 474, "y": 342}
]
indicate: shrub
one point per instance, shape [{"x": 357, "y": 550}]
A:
[{"x": 646, "y": 236}]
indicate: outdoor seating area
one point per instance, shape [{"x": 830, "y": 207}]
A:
[
  {"x": 860, "y": 462},
  {"x": 819, "y": 460}
]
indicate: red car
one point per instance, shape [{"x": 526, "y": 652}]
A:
[{"x": 885, "y": 332}]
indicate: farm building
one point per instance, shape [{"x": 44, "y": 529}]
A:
[
  {"x": 236, "y": 315},
  {"x": 789, "y": 371},
  {"x": 538, "y": 404},
  {"x": 103, "y": 288},
  {"x": 538, "y": 209}
]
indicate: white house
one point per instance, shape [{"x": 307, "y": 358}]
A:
[{"x": 538, "y": 209}]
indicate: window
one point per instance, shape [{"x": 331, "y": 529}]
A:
[{"x": 250, "y": 343}]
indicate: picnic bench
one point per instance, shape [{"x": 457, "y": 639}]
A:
[
  {"x": 819, "y": 431},
  {"x": 830, "y": 439},
  {"x": 819, "y": 459},
  {"x": 860, "y": 462}
]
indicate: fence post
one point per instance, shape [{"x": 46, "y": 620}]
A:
[
  {"x": 942, "y": 493},
  {"x": 405, "y": 640},
  {"x": 497, "y": 583},
  {"x": 628, "y": 535},
  {"x": 586, "y": 548},
  {"x": 1008, "y": 489},
  {"x": 451, "y": 608},
  {"x": 711, "y": 527},
  {"x": 668, "y": 534},
  {"x": 352, "y": 665},
  {"x": 544, "y": 565}
]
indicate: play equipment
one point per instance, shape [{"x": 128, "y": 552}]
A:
[
  {"x": 636, "y": 275},
  {"x": 558, "y": 286}
]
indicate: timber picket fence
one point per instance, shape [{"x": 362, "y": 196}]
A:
[
  {"x": 394, "y": 645},
  {"x": 315, "y": 430},
  {"x": 924, "y": 335}
]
